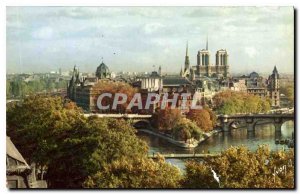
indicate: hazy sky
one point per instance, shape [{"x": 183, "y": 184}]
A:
[{"x": 41, "y": 39}]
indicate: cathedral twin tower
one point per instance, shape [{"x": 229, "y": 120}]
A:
[{"x": 204, "y": 68}]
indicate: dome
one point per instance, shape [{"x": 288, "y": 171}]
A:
[{"x": 102, "y": 71}]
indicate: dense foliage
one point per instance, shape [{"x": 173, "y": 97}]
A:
[
  {"x": 70, "y": 148},
  {"x": 75, "y": 152},
  {"x": 19, "y": 88},
  {"x": 135, "y": 173},
  {"x": 186, "y": 129},
  {"x": 231, "y": 102},
  {"x": 112, "y": 87},
  {"x": 289, "y": 91},
  {"x": 166, "y": 119},
  {"x": 203, "y": 118},
  {"x": 238, "y": 167},
  {"x": 172, "y": 122}
]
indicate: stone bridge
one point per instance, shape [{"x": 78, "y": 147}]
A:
[
  {"x": 251, "y": 120},
  {"x": 138, "y": 121}
]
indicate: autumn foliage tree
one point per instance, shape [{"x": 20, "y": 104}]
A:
[
  {"x": 111, "y": 87},
  {"x": 238, "y": 167},
  {"x": 212, "y": 114},
  {"x": 166, "y": 119},
  {"x": 232, "y": 102},
  {"x": 202, "y": 118},
  {"x": 69, "y": 147},
  {"x": 136, "y": 173}
]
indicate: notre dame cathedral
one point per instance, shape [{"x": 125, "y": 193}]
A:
[{"x": 204, "y": 67}]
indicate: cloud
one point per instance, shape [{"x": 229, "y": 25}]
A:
[
  {"x": 152, "y": 28},
  {"x": 43, "y": 33},
  {"x": 250, "y": 51},
  {"x": 145, "y": 35}
]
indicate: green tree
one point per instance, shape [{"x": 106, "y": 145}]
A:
[
  {"x": 8, "y": 89},
  {"x": 288, "y": 91},
  {"x": 186, "y": 129},
  {"x": 55, "y": 135},
  {"x": 231, "y": 102}
]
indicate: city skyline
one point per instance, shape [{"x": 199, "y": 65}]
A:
[{"x": 137, "y": 38}]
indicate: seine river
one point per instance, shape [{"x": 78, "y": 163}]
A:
[{"x": 263, "y": 134}]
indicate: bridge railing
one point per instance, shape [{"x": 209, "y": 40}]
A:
[
  {"x": 118, "y": 115},
  {"x": 195, "y": 155}
]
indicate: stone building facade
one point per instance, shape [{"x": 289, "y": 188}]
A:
[
  {"x": 204, "y": 67},
  {"x": 273, "y": 88},
  {"x": 84, "y": 91}
]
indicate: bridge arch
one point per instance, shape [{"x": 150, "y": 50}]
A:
[
  {"x": 284, "y": 122},
  {"x": 251, "y": 120},
  {"x": 267, "y": 121},
  {"x": 228, "y": 125},
  {"x": 141, "y": 124},
  {"x": 231, "y": 123}
]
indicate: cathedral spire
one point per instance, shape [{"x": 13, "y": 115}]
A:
[
  {"x": 187, "y": 60},
  {"x": 275, "y": 69},
  {"x": 187, "y": 49}
]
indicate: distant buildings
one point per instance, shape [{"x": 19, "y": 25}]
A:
[
  {"x": 102, "y": 71},
  {"x": 259, "y": 86},
  {"x": 273, "y": 88},
  {"x": 204, "y": 80},
  {"x": 152, "y": 82},
  {"x": 82, "y": 90}
]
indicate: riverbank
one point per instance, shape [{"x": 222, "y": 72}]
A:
[{"x": 181, "y": 144}]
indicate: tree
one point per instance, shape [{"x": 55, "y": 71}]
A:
[
  {"x": 231, "y": 102},
  {"x": 56, "y": 136},
  {"x": 92, "y": 147},
  {"x": 238, "y": 167},
  {"x": 288, "y": 91},
  {"x": 8, "y": 89},
  {"x": 198, "y": 175},
  {"x": 202, "y": 118},
  {"x": 220, "y": 98},
  {"x": 166, "y": 119},
  {"x": 135, "y": 173},
  {"x": 213, "y": 116},
  {"x": 186, "y": 129},
  {"x": 113, "y": 88}
]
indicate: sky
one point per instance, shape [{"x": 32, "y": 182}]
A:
[{"x": 138, "y": 39}]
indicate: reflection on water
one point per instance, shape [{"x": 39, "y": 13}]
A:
[{"x": 263, "y": 134}]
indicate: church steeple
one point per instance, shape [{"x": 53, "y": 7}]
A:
[
  {"x": 187, "y": 49},
  {"x": 275, "y": 70},
  {"x": 187, "y": 59},
  {"x": 181, "y": 73},
  {"x": 275, "y": 74}
]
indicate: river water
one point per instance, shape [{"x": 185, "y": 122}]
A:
[{"x": 263, "y": 134}]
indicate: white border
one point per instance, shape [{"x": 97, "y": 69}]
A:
[{"x": 5, "y": 3}]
